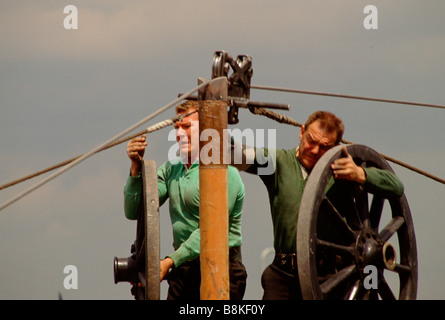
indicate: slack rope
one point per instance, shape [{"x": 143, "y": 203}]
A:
[{"x": 103, "y": 145}]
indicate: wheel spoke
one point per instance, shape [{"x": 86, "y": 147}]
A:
[
  {"x": 384, "y": 289},
  {"x": 337, "y": 279},
  {"x": 391, "y": 228},
  {"x": 355, "y": 290},
  {"x": 362, "y": 208},
  {"x": 335, "y": 248},
  {"x": 372, "y": 295},
  {"x": 337, "y": 220},
  {"x": 401, "y": 269},
  {"x": 376, "y": 210}
]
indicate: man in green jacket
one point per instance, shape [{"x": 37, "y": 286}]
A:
[
  {"x": 285, "y": 185},
  {"x": 178, "y": 180}
]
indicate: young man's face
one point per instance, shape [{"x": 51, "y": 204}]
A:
[
  {"x": 187, "y": 136},
  {"x": 314, "y": 142}
]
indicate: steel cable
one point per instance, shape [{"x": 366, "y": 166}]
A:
[
  {"x": 150, "y": 129},
  {"x": 103, "y": 145},
  {"x": 345, "y": 96}
]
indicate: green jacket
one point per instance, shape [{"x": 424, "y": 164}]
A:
[
  {"x": 285, "y": 185},
  {"x": 181, "y": 187}
]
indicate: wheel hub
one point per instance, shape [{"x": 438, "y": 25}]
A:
[{"x": 371, "y": 250}]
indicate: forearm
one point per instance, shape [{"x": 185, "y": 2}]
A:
[
  {"x": 383, "y": 182},
  {"x": 132, "y": 197},
  {"x": 135, "y": 168},
  {"x": 188, "y": 250}
]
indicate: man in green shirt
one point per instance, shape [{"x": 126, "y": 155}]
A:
[
  {"x": 178, "y": 181},
  {"x": 285, "y": 185}
]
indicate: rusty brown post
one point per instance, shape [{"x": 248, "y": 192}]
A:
[{"x": 213, "y": 210}]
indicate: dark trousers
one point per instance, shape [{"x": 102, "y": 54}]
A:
[
  {"x": 185, "y": 281},
  {"x": 280, "y": 283}
]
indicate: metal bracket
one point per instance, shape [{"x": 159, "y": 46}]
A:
[
  {"x": 239, "y": 80},
  {"x": 238, "y": 85}
]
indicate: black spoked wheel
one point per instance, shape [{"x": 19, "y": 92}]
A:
[
  {"x": 350, "y": 243},
  {"x": 142, "y": 268}
]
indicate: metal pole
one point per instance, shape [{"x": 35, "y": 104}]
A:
[{"x": 213, "y": 210}]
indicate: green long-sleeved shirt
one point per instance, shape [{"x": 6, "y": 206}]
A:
[
  {"x": 181, "y": 186},
  {"x": 285, "y": 185}
]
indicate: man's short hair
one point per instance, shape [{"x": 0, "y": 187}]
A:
[
  {"x": 186, "y": 106},
  {"x": 329, "y": 122}
]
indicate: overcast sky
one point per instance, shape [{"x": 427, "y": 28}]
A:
[{"x": 64, "y": 92}]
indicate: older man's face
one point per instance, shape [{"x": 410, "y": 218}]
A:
[{"x": 314, "y": 142}]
